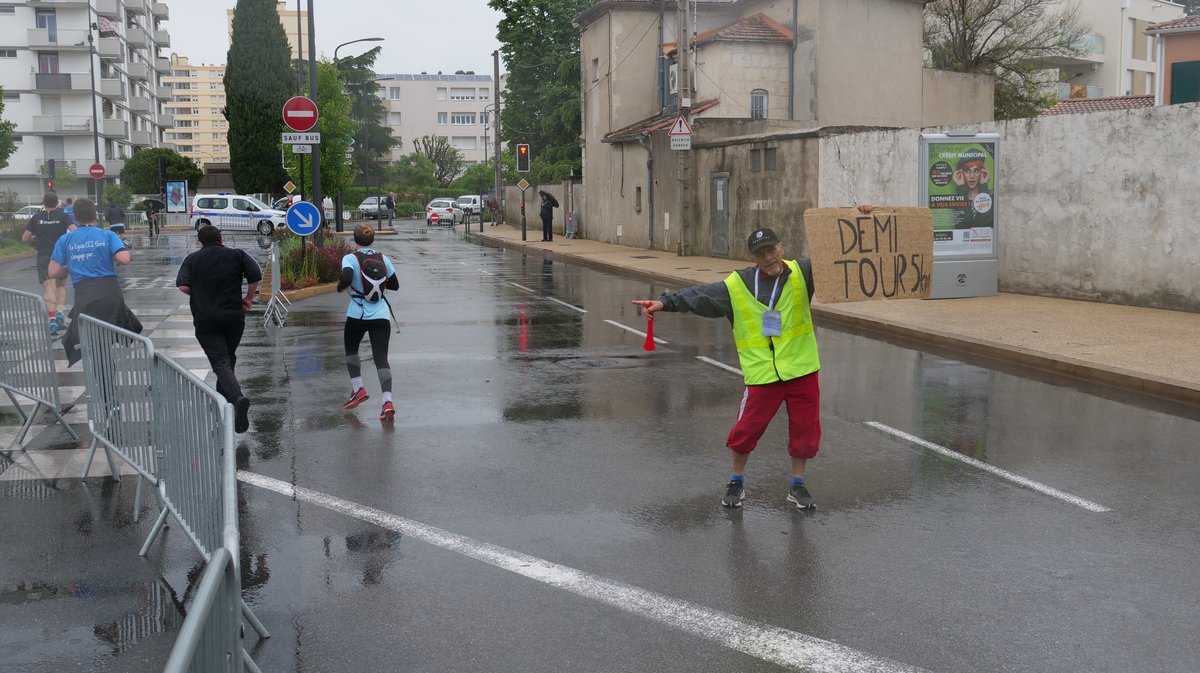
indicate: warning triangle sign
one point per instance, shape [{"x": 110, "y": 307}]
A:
[{"x": 680, "y": 127}]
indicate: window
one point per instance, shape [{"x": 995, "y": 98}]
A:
[
  {"x": 637, "y": 200},
  {"x": 8, "y": 10},
  {"x": 12, "y": 96},
  {"x": 758, "y": 104},
  {"x": 441, "y": 117},
  {"x": 8, "y": 53},
  {"x": 771, "y": 160},
  {"x": 462, "y": 118},
  {"x": 463, "y": 142},
  {"x": 394, "y": 119},
  {"x": 755, "y": 160},
  {"x": 483, "y": 94},
  {"x": 393, "y": 93},
  {"x": 441, "y": 93},
  {"x": 17, "y": 139},
  {"x": 460, "y": 93}
]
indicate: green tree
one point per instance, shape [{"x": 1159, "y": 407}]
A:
[
  {"x": 64, "y": 177},
  {"x": 258, "y": 80},
  {"x": 336, "y": 129},
  {"x": 7, "y": 144},
  {"x": 541, "y": 48},
  {"x": 411, "y": 170},
  {"x": 141, "y": 170},
  {"x": 472, "y": 178},
  {"x": 374, "y": 139},
  {"x": 446, "y": 159},
  {"x": 120, "y": 194},
  {"x": 1191, "y": 7},
  {"x": 1004, "y": 39}
]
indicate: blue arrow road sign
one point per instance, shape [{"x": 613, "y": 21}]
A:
[{"x": 303, "y": 218}]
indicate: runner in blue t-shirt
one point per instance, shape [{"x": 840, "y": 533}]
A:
[
  {"x": 91, "y": 256},
  {"x": 367, "y": 273}
]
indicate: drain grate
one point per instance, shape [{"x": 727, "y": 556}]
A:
[{"x": 597, "y": 363}]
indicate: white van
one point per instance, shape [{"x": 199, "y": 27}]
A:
[
  {"x": 469, "y": 203},
  {"x": 235, "y": 212}
]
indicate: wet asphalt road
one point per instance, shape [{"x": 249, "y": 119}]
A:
[{"x": 542, "y": 433}]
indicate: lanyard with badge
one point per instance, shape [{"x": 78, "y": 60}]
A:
[{"x": 772, "y": 320}]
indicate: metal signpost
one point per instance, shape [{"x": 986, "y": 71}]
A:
[
  {"x": 523, "y": 184},
  {"x": 957, "y": 174}
]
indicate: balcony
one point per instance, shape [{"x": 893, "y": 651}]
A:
[
  {"x": 164, "y": 93},
  {"x": 59, "y": 125},
  {"x": 108, "y": 8},
  {"x": 160, "y": 11},
  {"x": 135, "y": 6},
  {"x": 162, "y": 65},
  {"x": 166, "y": 121},
  {"x": 114, "y": 128},
  {"x": 57, "y": 4},
  {"x": 140, "y": 104},
  {"x": 1067, "y": 91},
  {"x": 1089, "y": 51},
  {"x": 137, "y": 38},
  {"x": 162, "y": 38},
  {"x": 69, "y": 164},
  {"x": 44, "y": 39},
  {"x": 110, "y": 49},
  {"x": 59, "y": 82},
  {"x": 137, "y": 71},
  {"x": 112, "y": 88},
  {"x": 141, "y": 138},
  {"x": 113, "y": 167}
]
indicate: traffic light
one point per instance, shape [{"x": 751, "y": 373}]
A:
[
  {"x": 49, "y": 185},
  {"x": 49, "y": 175},
  {"x": 522, "y": 158}
]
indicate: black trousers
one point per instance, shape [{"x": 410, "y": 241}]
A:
[
  {"x": 380, "y": 333},
  {"x": 548, "y": 228},
  {"x": 220, "y": 340}
]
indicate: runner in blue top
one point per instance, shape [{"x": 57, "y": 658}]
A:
[{"x": 367, "y": 274}]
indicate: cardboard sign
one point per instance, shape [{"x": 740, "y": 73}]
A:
[{"x": 887, "y": 254}]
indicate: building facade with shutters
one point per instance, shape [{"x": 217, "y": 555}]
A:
[
  {"x": 459, "y": 107},
  {"x": 53, "y": 77},
  {"x": 196, "y": 107}
]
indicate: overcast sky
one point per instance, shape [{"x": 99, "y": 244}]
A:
[{"x": 420, "y": 36}]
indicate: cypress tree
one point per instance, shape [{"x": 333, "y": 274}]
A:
[{"x": 258, "y": 80}]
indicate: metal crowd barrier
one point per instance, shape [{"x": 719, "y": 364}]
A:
[
  {"x": 193, "y": 431},
  {"x": 117, "y": 367},
  {"x": 27, "y": 359},
  {"x": 277, "y": 307}
]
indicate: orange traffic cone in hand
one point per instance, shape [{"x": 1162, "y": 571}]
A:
[{"x": 649, "y": 343}]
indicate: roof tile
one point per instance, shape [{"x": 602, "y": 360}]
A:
[
  {"x": 1185, "y": 22},
  {"x": 1107, "y": 104}
]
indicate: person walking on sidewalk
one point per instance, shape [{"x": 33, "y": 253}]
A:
[
  {"x": 44, "y": 229},
  {"x": 768, "y": 307},
  {"x": 212, "y": 279},
  {"x": 549, "y": 203},
  {"x": 367, "y": 274},
  {"x": 91, "y": 255}
]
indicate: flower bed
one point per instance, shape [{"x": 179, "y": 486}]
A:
[{"x": 316, "y": 265}]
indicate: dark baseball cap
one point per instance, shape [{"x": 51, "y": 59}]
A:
[{"x": 761, "y": 238}]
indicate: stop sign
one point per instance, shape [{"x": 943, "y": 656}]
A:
[
  {"x": 433, "y": 217},
  {"x": 96, "y": 171},
  {"x": 300, "y": 113}
]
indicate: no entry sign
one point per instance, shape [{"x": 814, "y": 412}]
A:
[
  {"x": 96, "y": 171},
  {"x": 300, "y": 113}
]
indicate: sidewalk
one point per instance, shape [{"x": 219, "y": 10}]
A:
[{"x": 1148, "y": 351}]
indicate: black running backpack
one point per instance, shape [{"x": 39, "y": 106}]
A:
[{"x": 372, "y": 273}]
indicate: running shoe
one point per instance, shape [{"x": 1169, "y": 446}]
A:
[
  {"x": 241, "y": 418},
  {"x": 800, "y": 497},
  {"x": 356, "y": 399},
  {"x": 388, "y": 413},
  {"x": 735, "y": 493},
  {"x": 56, "y": 329}
]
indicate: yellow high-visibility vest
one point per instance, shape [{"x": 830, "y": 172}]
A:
[{"x": 769, "y": 359}]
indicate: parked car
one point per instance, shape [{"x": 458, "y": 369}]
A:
[
  {"x": 372, "y": 207},
  {"x": 447, "y": 212},
  {"x": 468, "y": 203},
  {"x": 235, "y": 212},
  {"x": 26, "y": 212}
]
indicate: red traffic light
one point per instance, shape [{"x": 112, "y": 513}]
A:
[
  {"x": 522, "y": 157},
  {"x": 523, "y": 149},
  {"x": 49, "y": 185}
]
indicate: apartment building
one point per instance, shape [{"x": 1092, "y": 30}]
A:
[
  {"x": 295, "y": 25},
  {"x": 1119, "y": 58},
  {"x": 198, "y": 97},
  {"x": 76, "y": 92},
  {"x": 459, "y": 107}
]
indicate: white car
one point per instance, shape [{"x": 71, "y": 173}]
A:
[
  {"x": 235, "y": 212},
  {"x": 446, "y": 211},
  {"x": 26, "y": 213}
]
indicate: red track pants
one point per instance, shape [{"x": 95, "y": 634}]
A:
[{"x": 759, "y": 405}]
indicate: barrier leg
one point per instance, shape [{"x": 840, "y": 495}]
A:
[
  {"x": 137, "y": 499},
  {"x": 254, "y": 622},
  {"x": 16, "y": 404},
  {"x": 250, "y": 665},
  {"x": 66, "y": 425},
  {"x": 158, "y": 524},
  {"x": 20, "y": 438}
]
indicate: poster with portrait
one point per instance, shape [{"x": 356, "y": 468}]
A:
[
  {"x": 177, "y": 196},
  {"x": 960, "y": 190}
]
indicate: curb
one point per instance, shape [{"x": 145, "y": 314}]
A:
[
  {"x": 310, "y": 292},
  {"x": 17, "y": 255}
]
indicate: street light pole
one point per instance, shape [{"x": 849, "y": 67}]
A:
[
  {"x": 337, "y": 218},
  {"x": 92, "y": 27}
]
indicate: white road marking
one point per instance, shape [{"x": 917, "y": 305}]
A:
[
  {"x": 1003, "y": 474},
  {"x": 570, "y": 306},
  {"x": 527, "y": 289},
  {"x": 759, "y": 640},
  {"x": 718, "y": 363},
  {"x": 627, "y": 328}
]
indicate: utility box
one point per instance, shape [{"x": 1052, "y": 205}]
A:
[{"x": 572, "y": 228}]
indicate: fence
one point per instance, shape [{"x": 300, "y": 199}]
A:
[
  {"x": 178, "y": 433},
  {"x": 277, "y": 307},
  {"x": 117, "y": 366},
  {"x": 27, "y": 359}
]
